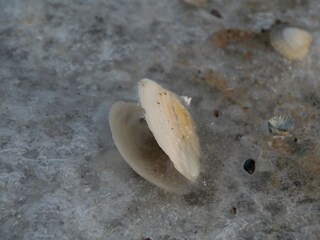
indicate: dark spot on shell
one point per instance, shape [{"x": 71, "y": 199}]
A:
[
  {"x": 249, "y": 165},
  {"x": 142, "y": 120}
]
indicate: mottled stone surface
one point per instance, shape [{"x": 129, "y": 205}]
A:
[{"x": 65, "y": 62}]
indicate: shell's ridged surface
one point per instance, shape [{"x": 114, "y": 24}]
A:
[
  {"x": 291, "y": 42},
  {"x": 280, "y": 125},
  {"x": 172, "y": 127},
  {"x": 140, "y": 150}
]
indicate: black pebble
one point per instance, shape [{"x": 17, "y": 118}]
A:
[
  {"x": 249, "y": 165},
  {"x": 216, "y": 13},
  {"x": 216, "y": 113}
]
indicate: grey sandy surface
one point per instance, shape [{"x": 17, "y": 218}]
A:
[{"x": 65, "y": 62}]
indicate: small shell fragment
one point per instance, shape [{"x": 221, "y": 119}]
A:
[
  {"x": 249, "y": 165},
  {"x": 186, "y": 99},
  {"x": 280, "y": 125},
  {"x": 172, "y": 127},
  {"x": 291, "y": 42}
]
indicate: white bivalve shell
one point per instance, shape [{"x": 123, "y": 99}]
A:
[
  {"x": 291, "y": 42},
  {"x": 172, "y": 127},
  {"x": 158, "y": 140}
]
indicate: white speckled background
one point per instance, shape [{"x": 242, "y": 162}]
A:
[{"x": 65, "y": 62}]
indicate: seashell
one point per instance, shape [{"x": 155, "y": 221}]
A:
[
  {"x": 158, "y": 140},
  {"x": 291, "y": 42},
  {"x": 280, "y": 125},
  {"x": 249, "y": 165},
  {"x": 172, "y": 127}
]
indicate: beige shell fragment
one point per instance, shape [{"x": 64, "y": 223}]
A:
[
  {"x": 291, "y": 42},
  {"x": 140, "y": 150},
  {"x": 172, "y": 127},
  {"x": 280, "y": 125}
]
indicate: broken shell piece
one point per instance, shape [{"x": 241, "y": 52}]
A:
[
  {"x": 280, "y": 125},
  {"x": 158, "y": 140},
  {"x": 186, "y": 99},
  {"x": 172, "y": 127},
  {"x": 291, "y": 42},
  {"x": 196, "y": 3}
]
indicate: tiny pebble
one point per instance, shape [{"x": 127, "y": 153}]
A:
[
  {"x": 233, "y": 210},
  {"x": 216, "y": 13},
  {"x": 249, "y": 165}
]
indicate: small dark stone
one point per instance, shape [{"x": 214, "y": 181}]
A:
[
  {"x": 233, "y": 210},
  {"x": 142, "y": 120},
  {"x": 216, "y": 113},
  {"x": 238, "y": 137},
  {"x": 249, "y": 165},
  {"x": 297, "y": 183},
  {"x": 216, "y": 13}
]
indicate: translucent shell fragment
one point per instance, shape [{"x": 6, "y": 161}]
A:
[
  {"x": 157, "y": 139},
  {"x": 291, "y": 42},
  {"x": 280, "y": 125},
  {"x": 172, "y": 127}
]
